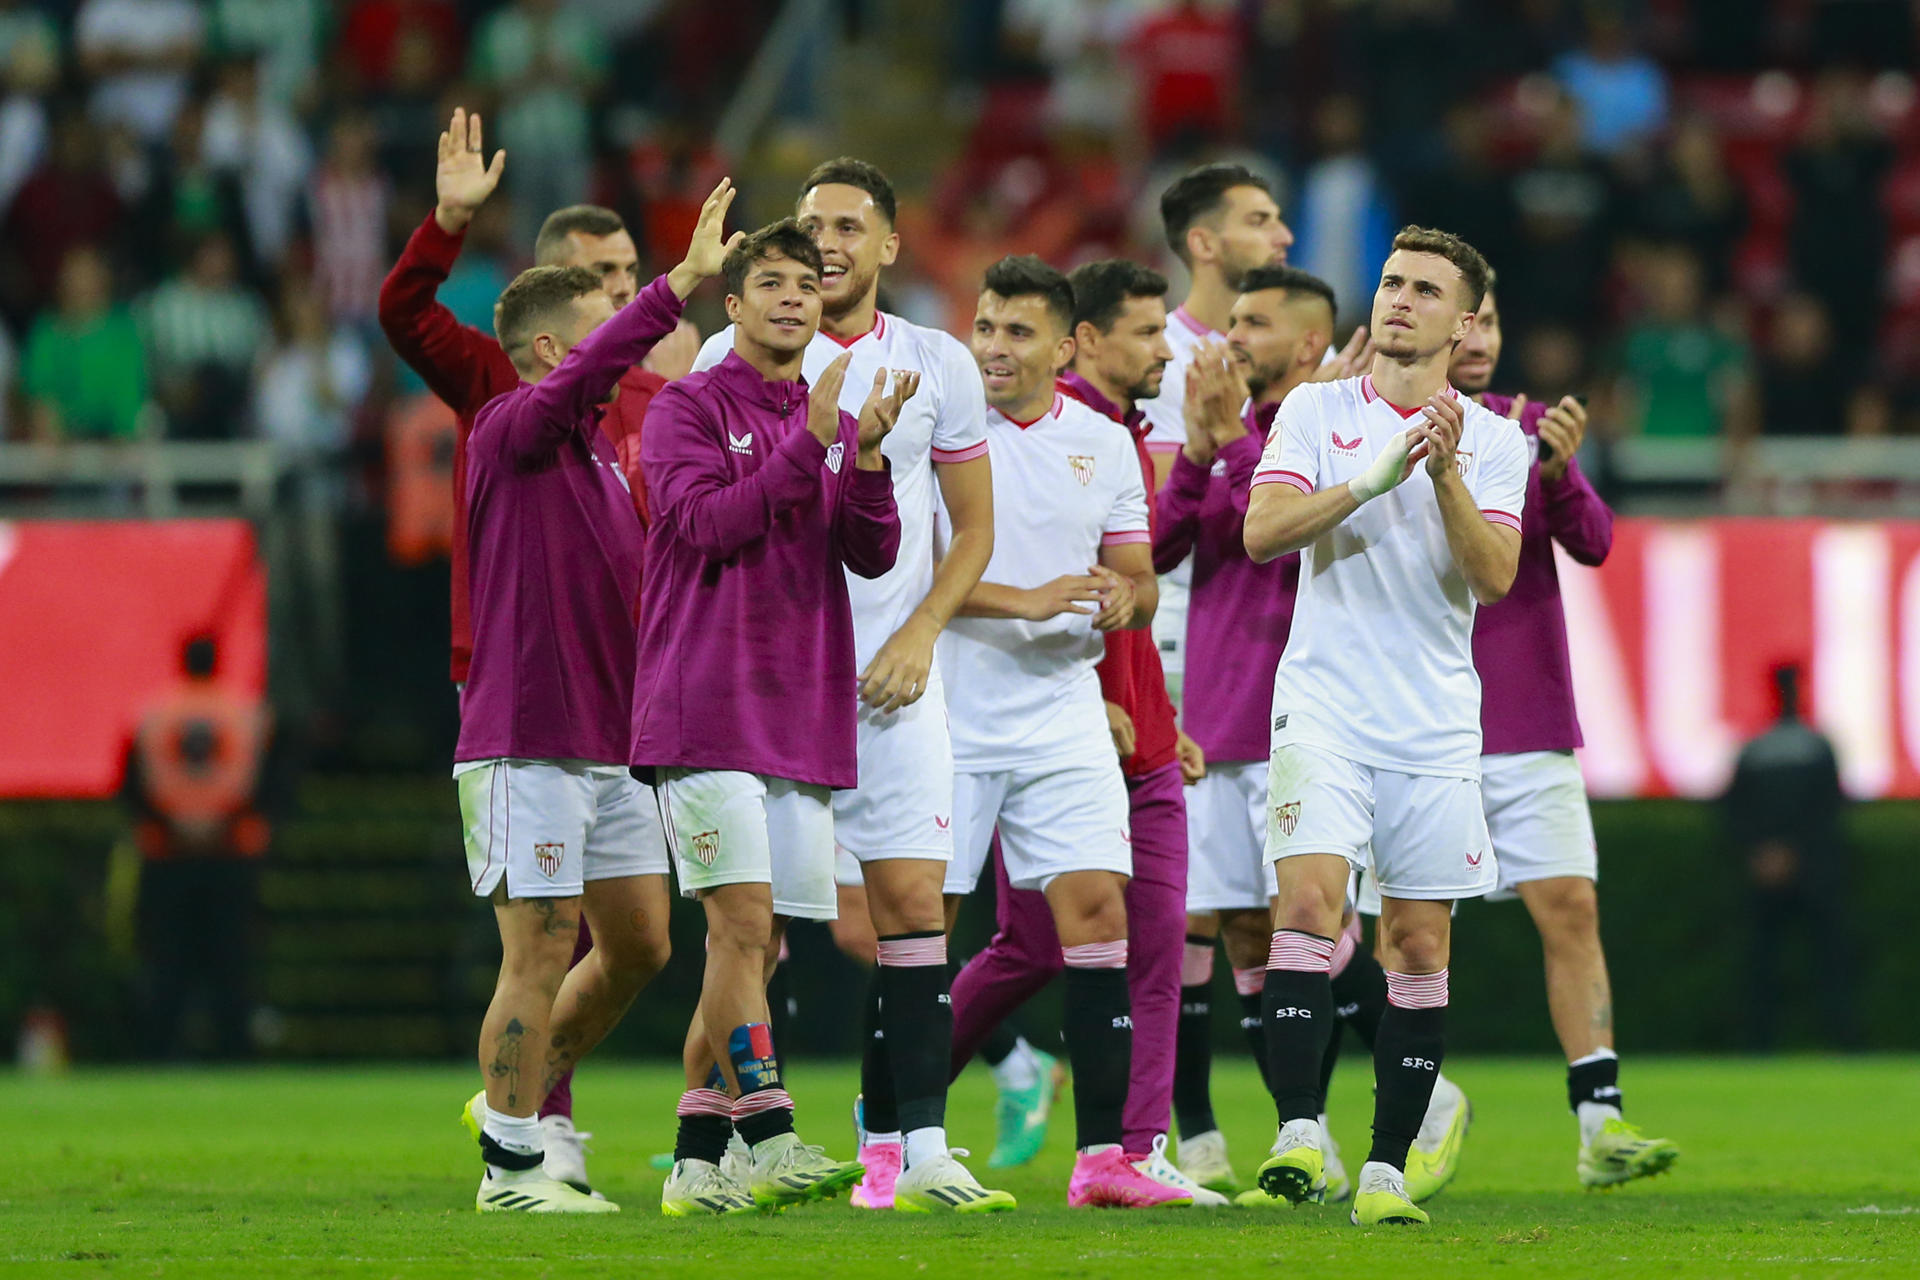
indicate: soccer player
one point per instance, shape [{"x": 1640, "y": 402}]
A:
[
  {"x": 466, "y": 368},
  {"x": 1032, "y": 749},
  {"x": 1222, "y": 222},
  {"x": 1280, "y": 330},
  {"x": 1120, "y": 351},
  {"x": 894, "y": 829},
  {"x": 554, "y": 824},
  {"x": 1536, "y": 800},
  {"x": 765, "y": 492},
  {"x": 1404, "y": 500}
]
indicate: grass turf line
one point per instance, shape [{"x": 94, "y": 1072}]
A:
[{"x": 363, "y": 1172}]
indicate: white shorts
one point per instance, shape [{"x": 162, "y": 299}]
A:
[
  {"x": 1052, "y": 821},
  {"x": 548, "y": 826},
  {"x": 1536, "y": 803},
  {"x": 727, "y": 827},
  {"x": 903, "y": 807},
  {"x": 1427, "y": 833},
  {"x": 1226, "y": 839}
]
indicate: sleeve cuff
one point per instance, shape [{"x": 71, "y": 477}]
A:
[
  {"x": 968, "y": 454},
  {"x": 1124, "y": 536},
  {"x": 438, "y": 246},
  {"x": 1163, "y": 446},
  {"x": 872, "y": 485},
  {"x": 1293, "y": 478},
  {"x": 1506, "y": 518}
]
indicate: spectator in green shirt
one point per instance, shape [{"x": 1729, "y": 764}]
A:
[
  {"x": 1681, "y": 374},
  {"x": 85, "y": 372}
]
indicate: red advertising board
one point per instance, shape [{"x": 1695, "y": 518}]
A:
[
  {"x": 93, "y": 615},
  {"x": 1674, "y": 638}
]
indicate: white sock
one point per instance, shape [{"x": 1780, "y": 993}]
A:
[
  {"x": 1593, "y": 1115},
  {"x": 1099, "y": 1147},
  {"x": 884, "y": 1139},
  {"x": 518, "y": 1134},
  {"x": 925, "y": 1144},
  {"x": 1019, "y": 1069}
]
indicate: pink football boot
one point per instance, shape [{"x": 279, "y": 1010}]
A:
[{"x": 1108, "y": 1180}]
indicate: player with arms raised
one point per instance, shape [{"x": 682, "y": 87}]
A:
[
  {"x": 1404, "y": 499},
  {"x": 894, "y": 830}
]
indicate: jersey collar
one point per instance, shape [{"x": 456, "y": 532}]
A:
[
  {"x": 1053, "y": 411},
  {"x": 878, "y": 331},
  {"x": 1366, "y": 389},
  {"x": 1196, "y": 327}
]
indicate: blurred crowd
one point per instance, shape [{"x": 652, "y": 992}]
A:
[
  {"x": 1705, "y": 213},
  {"x": 199, "y": 198}
]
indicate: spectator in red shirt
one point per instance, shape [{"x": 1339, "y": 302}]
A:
[{"x": 1188, "y": 61}]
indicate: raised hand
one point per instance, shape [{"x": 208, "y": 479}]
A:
[
  {"x": 1194, "y": 409},
  {"x": 1225, "y": 389},
  {"x": 1561, "y": 430},
  {"x": 1440, "y": 426},
  {"x": 708, "y": 246},
  {"x": 462, "y": 181},
  {"x": 1353, "y": 360},
  {"x": 823, "y": 401},
  {"x": 882, "y": 408}
]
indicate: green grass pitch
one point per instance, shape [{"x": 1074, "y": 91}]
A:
[{"x": 1791, "y": 1168}]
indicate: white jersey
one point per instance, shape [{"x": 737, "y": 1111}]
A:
[
  {"x": 1022, "y": 693},
  {"x": 1379, "y": 663},
  {"x": 944, "y": 422}
]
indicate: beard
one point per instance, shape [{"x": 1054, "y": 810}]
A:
[{"x": 857, "y": 284}]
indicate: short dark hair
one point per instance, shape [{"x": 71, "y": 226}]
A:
[
  {"x": 1200, "y": 194},
  {"x": 587, "y": 219},
  {"x": 1102, "y": 289},
  {"x": 782, "y": 239},
  {"x": 1292, "y": 279},
  {"x": 849, "y": 172},
  {"x": 531, "y": 301},
  {"x": 200, "y": 655},
  {"x": 1023, "y": 275},
  {"x": 1473, "y": 268}
]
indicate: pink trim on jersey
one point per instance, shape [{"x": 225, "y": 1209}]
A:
[
  {"x": 1163, "y": 446},
  {"x": 912, "y": 953},
  {"x": 1185, "y": 317},
  {"x": 1293, "y": 478},
  {"x": 879, "y": 330},
  {"x": 967, "y": 454},
  {"x": 1503, "y": 517},
  {"x": 1059, "y": 403},
  {"x": 1417, "y": 990},
  {"x": 1125, "y": 536},
  {"x": 1366, "y": 388}
]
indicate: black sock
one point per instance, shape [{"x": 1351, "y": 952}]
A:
[
  {"x": 763, "y": 1110},
  {"x": 1594, "y": 1080},
  {"x": 1406, "y": 1062},
  {"x": 1253, "y": 1025},
  {"x": 1328, "y": 1061},
  {"x": 706, "y": 1123},
  {"x": 878, "y": 1114},
  {"x": 1193, "y": 1062},
  {"x": 1297, "y": 1009},
  {"x": 1099, "y": 1025},
  {"x": 916, "y": 1014},
  {"x": 1000, "y": 1042},
  {"x": 1360, "y": 995}
]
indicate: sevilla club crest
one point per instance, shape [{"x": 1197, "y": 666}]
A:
[
  {"x": 1463, "y": 460},
  {"x": 1082, "y": 464},
  {"x": 706, "y": 847},
  {"x": 548, "y": 856},
  {"x": 1287, "y": 816},
  {"x": 835, "y": 452}
]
